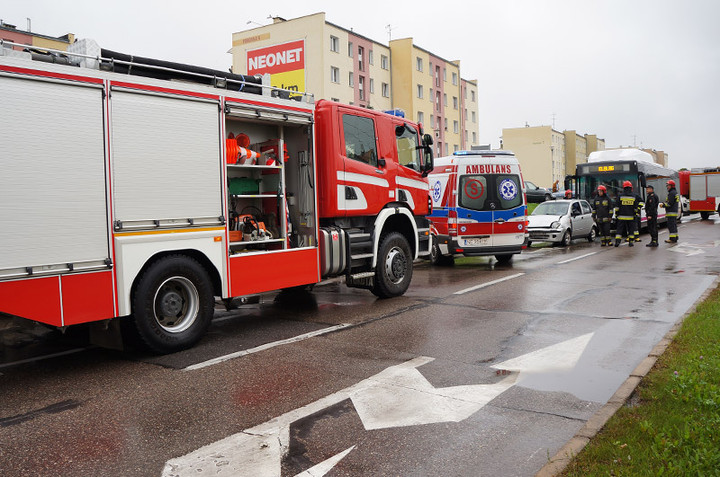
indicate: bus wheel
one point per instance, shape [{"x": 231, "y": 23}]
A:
[
  {"x": 172, "y": 304},
  {"x": 394, "y": 266}
]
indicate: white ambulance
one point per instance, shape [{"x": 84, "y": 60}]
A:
[{"x": 479, "y": 206}]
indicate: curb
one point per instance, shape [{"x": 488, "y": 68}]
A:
[{"x": 597, "y": 421}]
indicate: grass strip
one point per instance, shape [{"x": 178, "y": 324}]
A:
[{"x": 671, "y": 424}]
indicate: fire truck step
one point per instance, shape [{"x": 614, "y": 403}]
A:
[
  {"x": 361, "y": 256},
  {"x": 357, "y": 276}
]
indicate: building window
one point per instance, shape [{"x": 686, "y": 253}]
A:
[
  {"x": 446, "y": 124},
  {"x": 350, "y": 49},
  {"x": 456, "y": 129},
  {"x": 437, "y": 100},
  {"x": 473, "y": 116},
  {"x": 454, "y": 78},
  {"x": 445, "y": 75},
  {"x": 455, "y": 148},
  {"x": 384, "y": 62},
  {"x": 437, "y": 75},
  {"x": 445, "y": 99},
  {"x": 351, "y": 79},
  {"x": 432, "y": 122},
  {"x": 474, "y": 138},
  {"x": 361, "y": 87},
  {"x": 361, "y": 58},
  {"x": 465, "y": 114},
  {"x": 372, "y": 86},
  {"x": 421, "y": 117},
  {"x": 455, "y": 102},
  {"x": 385, "y": 90},
  {"x": 334, "y": 44},
  {"x": 419, "y": 64},
  {"x": 419, "y": 91},
  {"x": 446, "y": 149},
  {"x": 370, "y": 58},
  {"x": 472, "y": 95},
  {"x": 334, "y": 74}
]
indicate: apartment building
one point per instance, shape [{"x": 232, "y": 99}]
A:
[
  {"x": 12, "y": 34},
  {"x": 331, "y": 62},
  {"x": 540, "y": 151}
]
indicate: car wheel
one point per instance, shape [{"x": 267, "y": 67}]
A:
[
  {"x": 548, "y": 197},
  {"x": 593, "y": 233},
  {"x": 567, "y": 237}
]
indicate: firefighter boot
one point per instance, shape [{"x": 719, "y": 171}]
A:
[
  {"x": 617, "y": 242},
  {"x": 638, "y": 239},
  {"x": 631, "y": 242}
]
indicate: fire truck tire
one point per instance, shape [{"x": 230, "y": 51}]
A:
[
  {"x": 437, "y": 258},
  {"x": 172, "y": 305},
  {"x": 393, "y": 272},
  {"x": 705, "y": 215}
]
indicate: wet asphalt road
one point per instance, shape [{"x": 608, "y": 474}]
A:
[{"x": 477, "y": 370}]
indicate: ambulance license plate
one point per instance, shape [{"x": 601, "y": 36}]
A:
[{"x": 477, "y": 242}]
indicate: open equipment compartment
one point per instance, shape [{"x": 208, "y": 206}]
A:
[{"x": 270, "y": 181}]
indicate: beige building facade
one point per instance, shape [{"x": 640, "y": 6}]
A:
[
  {"x": 540, "y": 151},
  {"x": 575, "y": 150},
  {"x": 340, "y": 65},
  {"x": 12, "y": 34}
]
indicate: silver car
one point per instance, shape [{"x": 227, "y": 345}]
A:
[{"x": 561, "y": 221}]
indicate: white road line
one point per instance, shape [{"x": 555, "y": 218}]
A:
[
  {"x": 577, "y": 258},
  {"x": 483, "y": 285},
  {"x": 257, "y": 349},
  {"x": 40, "y": 358}
]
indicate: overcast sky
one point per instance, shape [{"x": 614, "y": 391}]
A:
[{"x": 634, "y": 72}]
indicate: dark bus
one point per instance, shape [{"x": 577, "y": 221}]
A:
[{"x": 612, "y": 174}]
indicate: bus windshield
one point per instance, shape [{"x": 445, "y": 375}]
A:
[{"x": 588, "y": 184}]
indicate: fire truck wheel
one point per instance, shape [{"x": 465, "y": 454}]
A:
[
  {"x": 394, "y": 267},
  {"x": 705, "y": 215},
  {"x": 437, "y": 258},
  {"x": 172, "y": 304}
]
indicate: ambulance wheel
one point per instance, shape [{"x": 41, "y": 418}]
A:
[
  {"x": 504, "y": 259},
  {"x": 394, "y": 266},
  {"x": 705, "y": 215},
  {"x": 567, "y": 237},
  {"x": 172, "y": 304},
  {"x": 437, "y": 258}
]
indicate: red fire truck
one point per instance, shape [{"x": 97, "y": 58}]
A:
[
  {"x": 140, "y": 189},
  {"x": 702, "y": 187}
]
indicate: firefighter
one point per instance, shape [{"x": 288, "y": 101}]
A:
[
  {"x": 625, "y": 209},
  {"x": 568, "y": 194},
  {"x": 602, "y": 211},
  {"x": 671, "y": 211},
  {"x": 638, "y": 212},
  {"x": 651, "y": 206}
]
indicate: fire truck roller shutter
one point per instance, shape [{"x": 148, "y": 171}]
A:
[
  {"x": 52, "y": 185},
  {"x": 166, "y": 158}
]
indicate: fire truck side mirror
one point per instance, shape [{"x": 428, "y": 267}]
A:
[
  {"x": 427, "y": 140},
  {"x": 428, "y": 162}
]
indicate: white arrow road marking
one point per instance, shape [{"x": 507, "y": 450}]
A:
[
  {"x": 397, "y": 396},
  {"x": 562, "y": 356},
  {"x": 687, "y": 249},
  {"x": 325, "y": 466}
]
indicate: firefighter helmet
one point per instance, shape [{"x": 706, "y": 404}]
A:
[
  {"x": 627, "y": 184},
  {"x": 671, "y": 183},
  {"x": 602, "y": 188},
  {"x": 568, "y": 194}
]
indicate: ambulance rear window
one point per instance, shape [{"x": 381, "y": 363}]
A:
[
  {"x": 473, "y": 192},
  {"x": 490, "y": 192}
]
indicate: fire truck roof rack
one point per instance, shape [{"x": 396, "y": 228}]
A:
[{"x": 108, "y": 60}]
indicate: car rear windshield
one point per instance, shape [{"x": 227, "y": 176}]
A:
[{"x": 490, "y": 191}]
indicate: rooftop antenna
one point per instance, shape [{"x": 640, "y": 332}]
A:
[
  {"x": 389, "y": 29},
  {"x": 254, "y": 23},
  {"x": 553, "y": 120},
  {"x": 28, "y": 23}
]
